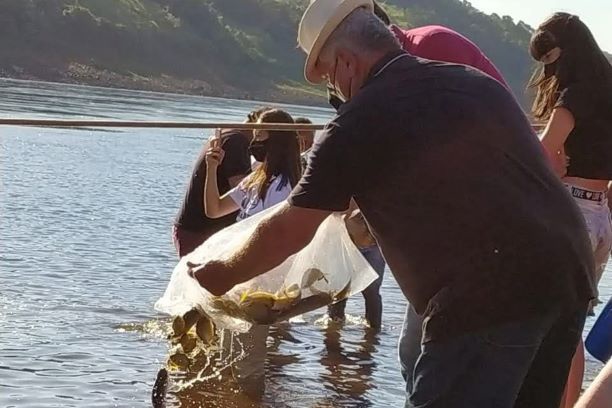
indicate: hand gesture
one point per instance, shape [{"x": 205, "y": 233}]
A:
[{"x": 214, "y": 153}]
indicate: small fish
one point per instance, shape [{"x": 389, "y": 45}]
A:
[
  {"x": 343, "y": 293},
  {"x": 257, "y": 306},
  {"x": 257, "y": 297},
  {"x": 160, "y": 389},
  {"x": 179, "y": 360},
  {"x": 178, "y": 326},
  {"x": 259, "y": 310},
  {"x": 293, "y": 291},
  {"x": 190, "y": 318},
  {"x": 228, "y": 307},
  {"x": 312, "y": 276},
  {"x": 287, "y": 297},
  {"x": 188, "y": 343},
  {"x": 205, "y": 329}
]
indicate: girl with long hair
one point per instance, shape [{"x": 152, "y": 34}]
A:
[
  {"x": 269, "y": 184},
  {"x": 574, "y": 95},
  {"x": 278, "y": 153}
]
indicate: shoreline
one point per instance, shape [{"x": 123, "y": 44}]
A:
[{"x": 79, "y": 74}]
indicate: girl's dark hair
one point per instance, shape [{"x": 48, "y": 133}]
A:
[
  {"x": 305, "y": 121},
  {"x": 581, "y": 61},
  {"x": 254, "y": 115},
  {"x": 282, "y": 157}
]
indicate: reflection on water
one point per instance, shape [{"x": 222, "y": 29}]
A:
[
  {"x": 348, "y": 367},
  {"x": 86, "y": 251}
]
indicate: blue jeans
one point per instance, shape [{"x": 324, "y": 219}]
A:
[
  {"x": 519, "y": 364},
  {"x": 371, "y": 295},
  {"x": 410, "y": 345}
]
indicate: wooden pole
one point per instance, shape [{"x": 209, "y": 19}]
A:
[
  {"x": 163, "y": 125},
  {"x": 171, "y": 125}
]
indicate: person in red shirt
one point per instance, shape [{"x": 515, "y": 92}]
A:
[
  {"x": 440, "y": 43},
  {"x": 437, "y": 43}
]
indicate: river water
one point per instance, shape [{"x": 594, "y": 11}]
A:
[{"x": 85, "y": 251}]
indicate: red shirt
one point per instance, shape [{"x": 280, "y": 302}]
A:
[
  {"x": 443, "y": 44},
  {"x": 439, "y": 43}
]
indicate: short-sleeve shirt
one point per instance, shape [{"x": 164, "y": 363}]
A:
[
  {"x": 236, "y": 162},
  {"x": 248, "y": 199},
  {"x": 440, "y": 43},
  {"x": 476, "y": 229},
  {"x": 589, "y": 145}
]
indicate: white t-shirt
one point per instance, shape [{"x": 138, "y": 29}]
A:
[{"x": 250, "y": 204}]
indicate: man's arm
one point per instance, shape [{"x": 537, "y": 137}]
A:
[{"x": 282, "y": 234}]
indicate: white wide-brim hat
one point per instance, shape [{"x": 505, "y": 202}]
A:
[{"x": 318, "y": 22}]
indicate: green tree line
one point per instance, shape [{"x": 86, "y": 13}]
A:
[{"x": 240, "y": 48}]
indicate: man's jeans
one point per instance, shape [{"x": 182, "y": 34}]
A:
[{"x": 519, "y": 364}]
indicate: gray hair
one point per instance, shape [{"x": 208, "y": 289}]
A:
[{"x": 361, "y": 32}]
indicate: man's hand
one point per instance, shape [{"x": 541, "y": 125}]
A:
[{"x": 214, "y": 276}]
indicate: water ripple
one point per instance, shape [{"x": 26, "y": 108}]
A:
[{"x": 86, "y": 251}]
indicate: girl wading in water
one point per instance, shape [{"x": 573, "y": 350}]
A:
[
  {"x": 574, "y": 95},
  {"x": 278, "y": 153},
  {"x": 278, "y": 170}
]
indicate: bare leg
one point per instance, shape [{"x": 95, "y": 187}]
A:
[
  {"x": 336, "y": 311},
  {"x": 574, "y": 379},
  {"x": 599, "y": 394},
  {"x": 249, "y": 369}
]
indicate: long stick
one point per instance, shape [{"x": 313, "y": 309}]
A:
[
  {"x": 143, "y": 124},
  {"x": 174, "y": 125}
]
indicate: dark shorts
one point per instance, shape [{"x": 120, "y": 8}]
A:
[{"x": 185, "y": 241}]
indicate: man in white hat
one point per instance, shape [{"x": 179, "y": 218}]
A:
[{"x": 479, "y": 233}]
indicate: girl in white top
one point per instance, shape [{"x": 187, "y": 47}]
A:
[{"x": 269, "y": 184}]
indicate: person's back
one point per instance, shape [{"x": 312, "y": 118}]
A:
[
  {"x": 192, "y": 226},
  {"x": 439, "y": 43},
  {"x": 510, "y": 232}
]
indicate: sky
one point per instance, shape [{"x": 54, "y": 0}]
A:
[{"x": 596, "y": 14}]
